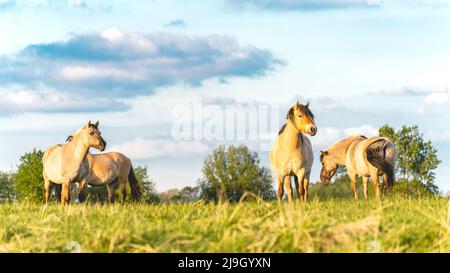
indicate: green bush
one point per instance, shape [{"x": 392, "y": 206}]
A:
[
  {"x": 29, "y": 182},
  {"x": 413, "y": 189},
  {"x": 7, "y": 190},
  {"x": 231, "y": 171}
]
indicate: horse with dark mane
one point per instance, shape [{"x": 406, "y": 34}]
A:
[{"x": 292, "y": 154}]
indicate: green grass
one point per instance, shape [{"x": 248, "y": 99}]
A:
[{"x": 396, "y": 225}]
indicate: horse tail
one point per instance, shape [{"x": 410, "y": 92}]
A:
[
  {"x": 136, "y": 190},
  {"x": 376, "y": 155}
]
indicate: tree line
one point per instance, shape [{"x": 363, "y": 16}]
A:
[{"x": 231, "y": 171}]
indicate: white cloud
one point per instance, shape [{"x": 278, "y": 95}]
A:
[
  {"x": 19, "y": 99},
  {"x": 364, "y": 129},
  {"x": 112, "y": 34},
  {"x": 420, "y": 110},
  {"x": 123, "y": 64},
  {"x": 327, "y": 136},
  {"x": 438, "y": 98},
  {"x": 141, "y": 148}
]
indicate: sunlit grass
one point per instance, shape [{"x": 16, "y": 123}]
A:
[{"x": 395, "y": 225}]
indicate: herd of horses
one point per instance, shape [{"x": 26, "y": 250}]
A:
[{"x": 291, "y": 156}]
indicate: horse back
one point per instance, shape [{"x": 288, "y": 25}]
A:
[
  {"x": 107, "y": 166},
  {"x": 358, "y": 150},
  {"x": 51, "y": 160},
  {"x": 356, "y": 161}
]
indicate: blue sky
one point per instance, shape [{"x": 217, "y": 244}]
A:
[{"x": 361, "y": 64}]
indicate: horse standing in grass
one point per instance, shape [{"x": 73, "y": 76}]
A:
[
  {"x": 64, "y": 164},
  {"x": 110, "y": 169},
  {"x": 292, "y": 153},
  {"x": 363, "y": 157}
]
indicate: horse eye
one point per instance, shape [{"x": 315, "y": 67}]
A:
[{"x": 91, "y": 133}]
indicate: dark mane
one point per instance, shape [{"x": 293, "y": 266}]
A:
[
  {"x": 303, "y": 108},
  {"x": 282, "y": 129},
  {"x": 69, "y": 138}
]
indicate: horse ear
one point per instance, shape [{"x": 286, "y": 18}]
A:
[
  {"x": 307, "y": 105},
  {"x": 89, "y": 123},
  {"x": 96, "y": 124},
  {"x": 324, "y": 152}
]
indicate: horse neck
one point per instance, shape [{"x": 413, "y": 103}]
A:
[
  {"x": 339, "y": 151},
  {"x": 291, "y": 136},
  {"x": 77, "y": 150}
]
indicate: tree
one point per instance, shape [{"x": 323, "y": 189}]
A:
[
  {"x": 29, "y": 180},
  {"x": 168, "y": 196},
  {"x": 413, "y": 188},
  {"x": 338, "y": 189},
  {"x": 147, "y": 185},
  {"x": 231, "y": 171},
  {"x": 187, "y": 194},
  {"x": 417, "y": 158},
  {"x": 7, "y": 190}
]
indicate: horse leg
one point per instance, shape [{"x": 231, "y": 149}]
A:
[
  {"x": 57, "y": 188},
  {"x": 48, "y": 189},
  {"x": 65, "y": 193},
  {"x": 123, "y": 189},
  {"x": 280, "y": 187},
  {"x": 385, "y": 186},
  {"x": 353, "y": 182},
  {"x": 300, "y": 188},
  {"x": 111, "y": 187},
  {"x": 365, "y": 180},
  {"x": 305, "y": 187},
  {"x": 376, "y": 183},
  {"x": 288, "y": 185},
  {"x": 82, "y": 193}
]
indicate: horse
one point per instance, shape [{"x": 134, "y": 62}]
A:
[
  {"x": 362, "y": 156},
  {"x": 110, "y": 169},
  {"x": 64, "y": 164},
  {"x": 292, "y": 153}
]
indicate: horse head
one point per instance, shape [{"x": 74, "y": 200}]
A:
[
  {"x": 329, "y": 166},
  {"x": 302, "y": 118},
  {"x": 91, "y": 136}
]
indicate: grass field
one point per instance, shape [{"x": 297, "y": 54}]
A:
[{"x": 397, "y": 225}]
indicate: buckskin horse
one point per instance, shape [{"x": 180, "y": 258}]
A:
[
  {"x": 64, "y": 164},
  {"x": 362, "y": 156},
  {"x": 292, "y": 153}
]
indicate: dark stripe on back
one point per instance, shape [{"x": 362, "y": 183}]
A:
[{"x": 282, "y": 129}]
